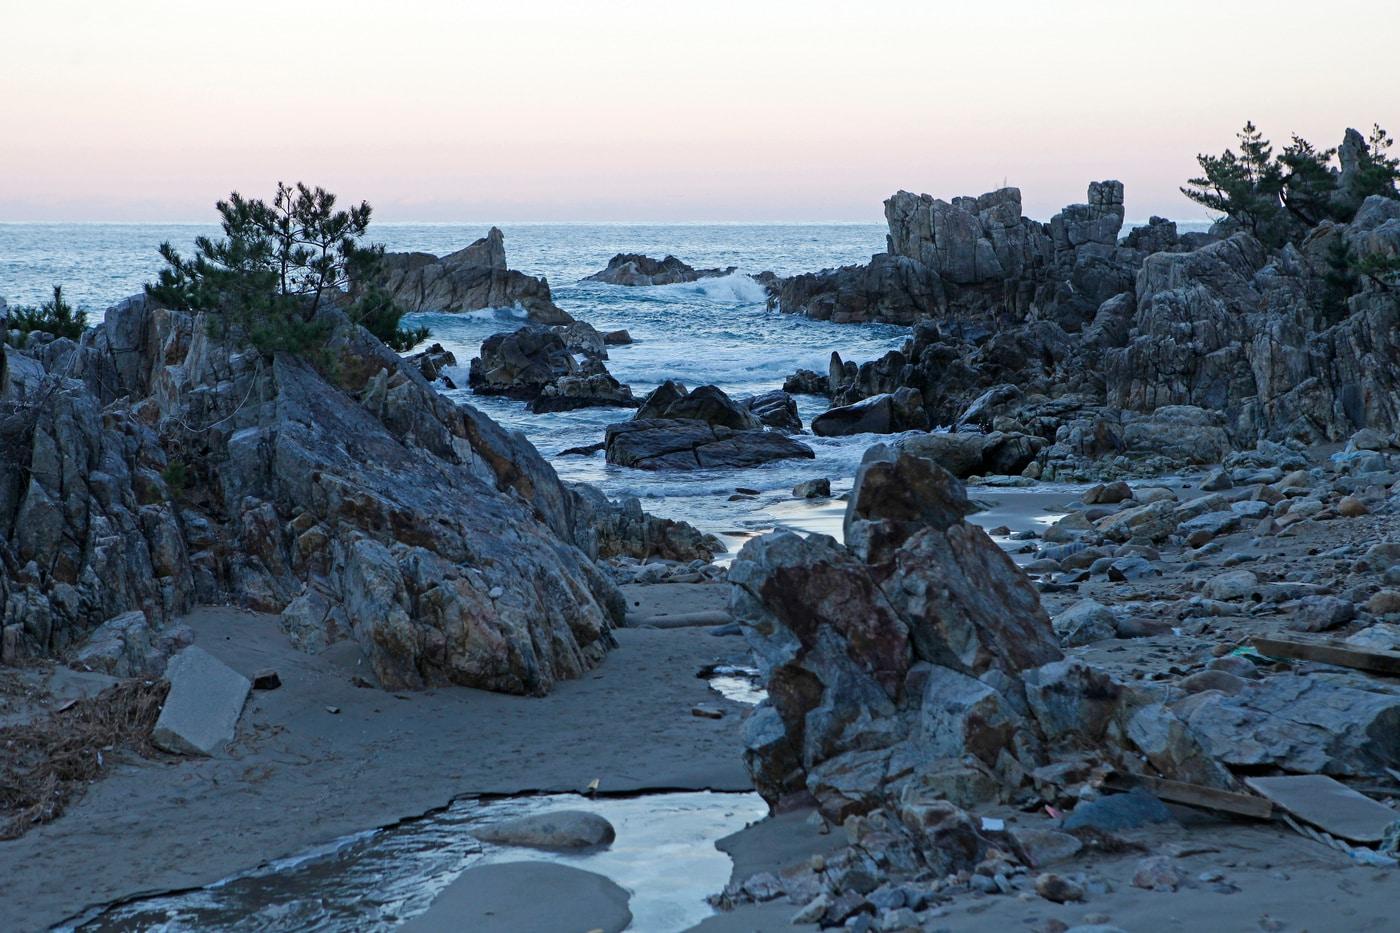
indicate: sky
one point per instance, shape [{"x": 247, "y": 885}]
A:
[{"x": 537, "y": 110}]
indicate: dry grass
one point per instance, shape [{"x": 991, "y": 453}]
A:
[{"x": 48, "y": 763}]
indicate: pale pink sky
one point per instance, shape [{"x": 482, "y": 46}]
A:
[{"x": 535, "y": 110}]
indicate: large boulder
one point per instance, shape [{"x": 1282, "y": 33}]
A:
[
  {"x": 893, "y": 413},
  {"x": 473, "y": 278},
  {"x": 776, "y": 409},
  {"x": 861, "y": 643},
  {"x": 967, "y": 454},
  {"x": 636, "y": 269}
]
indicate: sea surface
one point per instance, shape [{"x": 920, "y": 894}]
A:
[{"x": 716, "y": 330}]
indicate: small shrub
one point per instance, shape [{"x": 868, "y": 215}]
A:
[{"x": 55, "y": 316}]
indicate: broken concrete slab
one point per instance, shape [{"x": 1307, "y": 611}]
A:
[
  {"x": 202, "y": 709},
  {"x": 1328, "y": 804}
]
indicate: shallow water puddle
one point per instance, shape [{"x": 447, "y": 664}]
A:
[
  {"x": 735, "y": 682},
  {"x": 664, "y": 855}
]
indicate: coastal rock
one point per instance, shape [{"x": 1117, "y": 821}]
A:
[
  {"x": 636, "y": 269},
  {"x": 521, "y": 363},
  {"x": 591, "y": 387},
  {"x": 891, "y": 289},
  {"x": 371, "y": 509},
  {"x": 692, "y": 444},
  {"x": 967, "y": 454},
  {"x": 899, "y": 411},
  {"x": 841, "y": 633},
  {"x": 776, "y": 410},
  {"x": 472, "y": 279}
]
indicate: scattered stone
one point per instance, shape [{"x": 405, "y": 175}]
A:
[
  {"x": 812, "y": 489},
  {"x": 1058, "y": 888},
  {"x": 706, "y": 712},
  {"x": 266, "y": 679},
  {"x": 1156, "y": 873},
  {"x": 1321, "y": 614}
]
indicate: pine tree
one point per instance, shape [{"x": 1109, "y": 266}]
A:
[
  {"x": 55, "y": 316},
  {"x": 267, "y": 278}
]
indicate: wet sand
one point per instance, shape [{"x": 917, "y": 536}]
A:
[{"x": 300, "y": 776}]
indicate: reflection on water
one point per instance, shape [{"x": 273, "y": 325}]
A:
[
  {"x": 736, "y": 682},
  {"x": 664, "y": 855}
]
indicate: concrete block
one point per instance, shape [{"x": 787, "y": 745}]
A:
[{"x": 205, "y": 701}]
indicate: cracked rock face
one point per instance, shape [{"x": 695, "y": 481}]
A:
[{"x": 158, "y": 469}]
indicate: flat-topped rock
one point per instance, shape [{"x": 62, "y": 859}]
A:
[{"x": 201, "y": 711}]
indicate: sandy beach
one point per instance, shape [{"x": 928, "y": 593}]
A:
[{"x": 300, "y": 775}]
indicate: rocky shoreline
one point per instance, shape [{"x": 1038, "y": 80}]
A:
[{"x": 350, "y": 599}]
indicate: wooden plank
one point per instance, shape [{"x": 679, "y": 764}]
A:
[
  {"x": 1195, "y": 795},
  {"x": 1340, "y": 653},
  {"x": 1329, "y": 804}
]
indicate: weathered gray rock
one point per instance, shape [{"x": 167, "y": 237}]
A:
[
  {"x": 521, "y": 363},
  {"x": 556, "y": 829},
  {"x": 1302, "y": 724},
  {"x": 636, "y": 269},
  {"x": 473, "y": 278},
  {"x": 201, "y": 711},
  {"x": 372, "y": 509},
  {"x": 1085, "y": 622},
  {"x": 590, "y": 388},
  {"x": 127, "y": 646}
]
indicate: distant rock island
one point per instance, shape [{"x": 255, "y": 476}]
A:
[
  {"x": 636, "y": 269},
  {"x": 472, "y": 279}
]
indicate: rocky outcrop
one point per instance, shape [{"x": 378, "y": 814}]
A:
[
  {"x": 167, "y": 469},
  {"x": 636, "y": 269},
  {"x": 536, "y": 364},
  {"x": 472, "y": 279},
  {"x": 680, "y": 429},
  {"x": 915, "y": 661},
  {"x": 1107, "y": 342},
  {"x": 872, "y": 652}
]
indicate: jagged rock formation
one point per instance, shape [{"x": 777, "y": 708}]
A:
[
  {"x": 153, "y": 468},
  {"x": 472, "y": 279},
  {"x": 916, "y": 662},
  {"x": 887, "y": 413},
  {"x": 636, "y": 269},
  {"x": 1116, "y": 348}
]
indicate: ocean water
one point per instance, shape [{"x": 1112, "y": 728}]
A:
[{"x": 713, "y": 331}]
